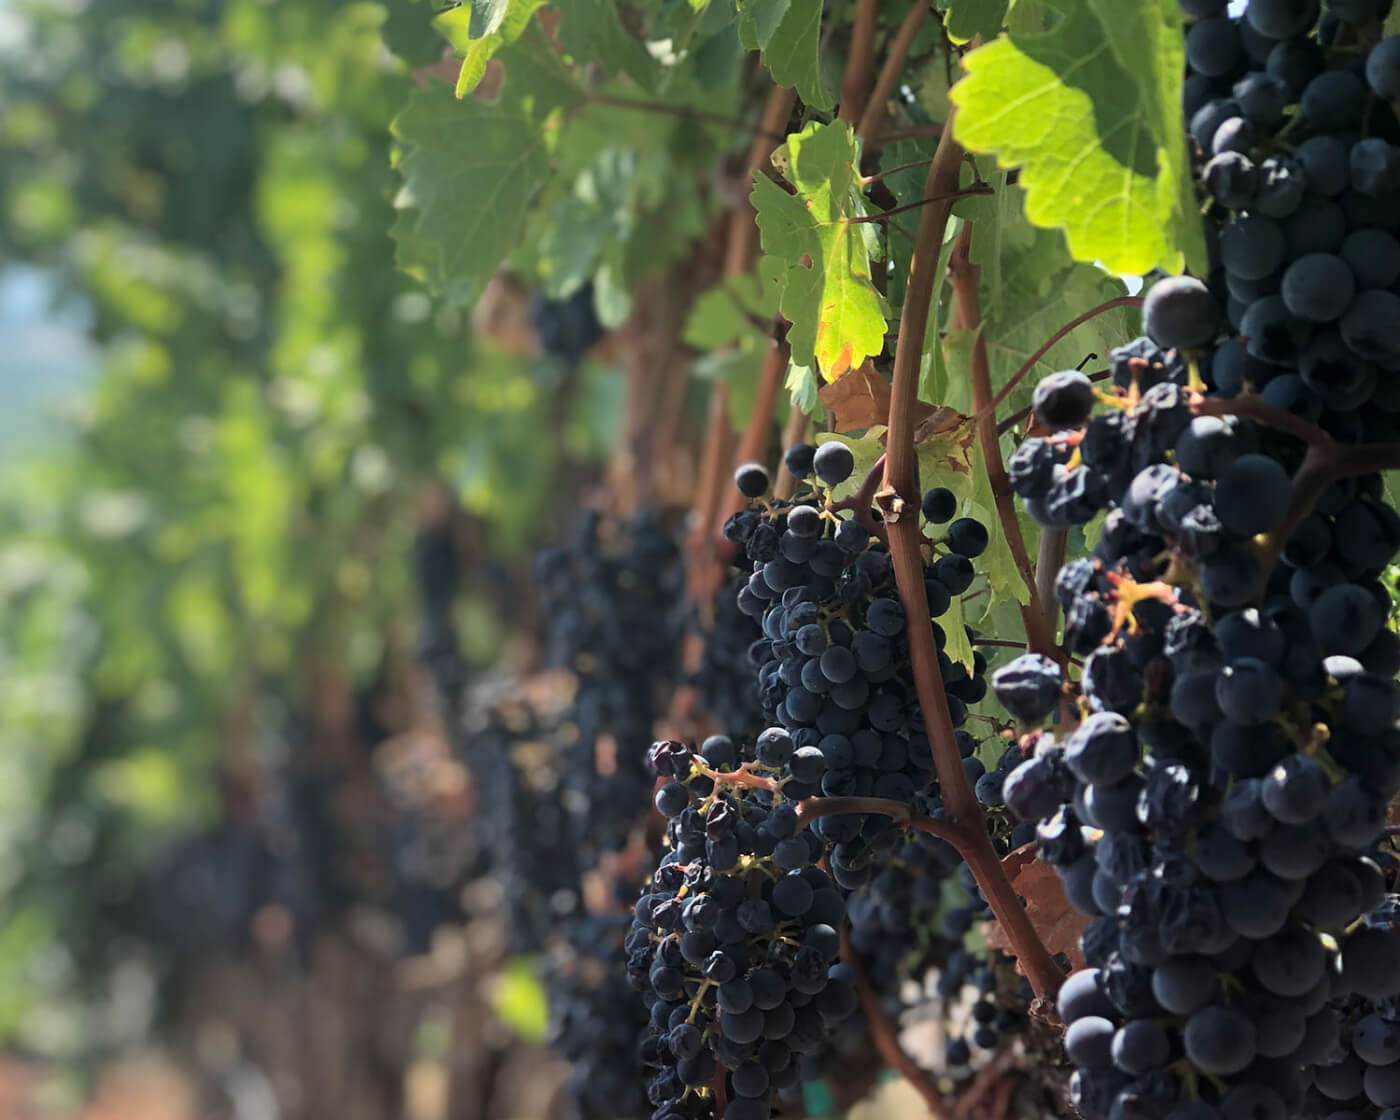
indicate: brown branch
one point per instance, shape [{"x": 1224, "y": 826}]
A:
[
  {"x": 866, "y": 180},
  {"x": 860, "y": 63},
  {"x": 966, "y": 277},
  {"x": 966, "y": 192},
  {"x": 1077, "y": 321},
  {"x": 895, "y": 58},
  {"x": 899, "y": 501},
  {"x": 883, "y": 1033}
]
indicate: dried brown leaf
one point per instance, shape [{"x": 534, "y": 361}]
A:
[
  {"x": 860, "y": 399},
  {"x": 1056, "y": 921}
]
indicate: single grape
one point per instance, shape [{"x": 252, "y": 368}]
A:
[
  {"x": 833, "y": 462},
  {"x": 939, "y": 505},
  {"x": 1063, "y": 399},
  {"x": 1180, "y": 312},
  {"x": 752, "y": 480}
]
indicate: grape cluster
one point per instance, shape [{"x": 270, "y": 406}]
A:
[
  {"x": 607, "y": 600},
  {"x": 512, "y": 749},
  {"x": 1218, "y": 807},
  {"x": 566, "y": 328},
  {"x": 833, "y": 666},
  {"x": 596, "y": 1019},
  {"x": 724, "y": 683},
  {"x": 1294, "y": 137},
  {"x": 734, "y": 943}
]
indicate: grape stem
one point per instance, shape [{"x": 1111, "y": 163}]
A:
[
  {"x": 895, "y": 57},
  {"x": 967, "y": 315},
  {"x": 946, "y": 196},
  {"x": 899, "y": 502},
  {"x": 883, "y": 1033},
  {"x": 1325, "y": 462},
  {"x": 861, "y": 501},
  {"x": 1078, "y": 321}
]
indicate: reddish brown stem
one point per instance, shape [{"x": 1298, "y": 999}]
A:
[
  {"x": 883, "y": 1033},
  {"x": 895, "y": 58},
  {"x": 965, "y": 277},
  {"x": 860, "y": 64},
  {"x": 899, "y": 501},
  {"x": 1325, "y": 463},
  {"x": 1077, "y": 321},
  {"x": 949, "y": 196},
  {"x": 1252, "y": 408},
  {"x": 861, "y": 501}
]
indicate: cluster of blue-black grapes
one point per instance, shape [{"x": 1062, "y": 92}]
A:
[
  {"x": 1218, "y": 807},
  {"x": 1291, "y": 121},
  {"x": 725, "y": 688},
  {"x": 521, "y": 822},
  {"x": 734, "y": 942},
  {"x": 566, "y": 328},
  {"x": 595, "y": 1020},
  {"x": 608, "y": 598},
  {"x": 833, "y": 664}
]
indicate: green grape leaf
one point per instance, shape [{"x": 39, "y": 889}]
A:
[
  {"x": 739, "y": 368},
  {"x": 957, "y": 646},
  {"x": 1090, "y": 112},
  {"x": 997, "y": 561},
  {"x": 592, "y": 32},
  {"x": 963, "y": 19},
  {"x": 789, "y": 34},
  {"x": 479, "y": 29},
  {"x": 758, "y": 20},
  {"x": 1392, "y": 23},
  {"x": 724, "y": 314},
  {"x": 802, "y": 383},
  {"x": 470, "y": 169},
  {"x": 817, "y": 256}
]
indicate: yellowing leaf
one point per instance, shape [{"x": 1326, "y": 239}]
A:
[
  {"x": 817, "y": 256},
  {"x": 478, "y": 30},
  {"x": 1090, "y": 112}
]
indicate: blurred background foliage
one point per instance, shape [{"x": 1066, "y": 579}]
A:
[{"x": 218, "y": 535}]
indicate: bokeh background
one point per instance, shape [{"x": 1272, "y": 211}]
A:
[{"x": 236, "y": 874}]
